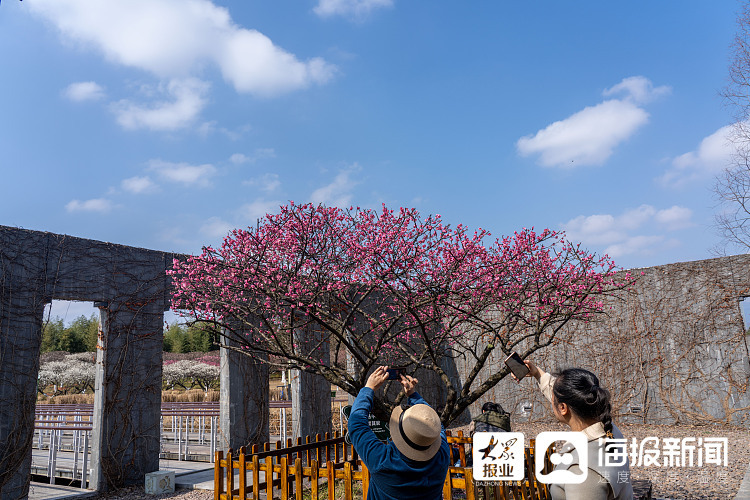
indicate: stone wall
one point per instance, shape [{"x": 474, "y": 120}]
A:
[
  {"x": 132, "y": 289},
  {"x": 671, "y": 349}
]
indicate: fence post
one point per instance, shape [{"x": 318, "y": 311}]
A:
[
  {"x": 469, "y": 482},
  {"x": 230, "y": 474},
  {"x": 447, "y": 490},
  {"x": 85, "y": 471},
  {"x": 462, "y": 450},
  {"x": 218, "y": 476},
  {"x": 179, "y": 439},
  {"x": 298, "y": 477},
  {"x": 188, "y": 425},
  {"x": 331, "y": 480},
  {"x": 52, "y": 455},
  {"x": 530, "y": 466},
  {"x": 282, "y": 421},
  {"x": 243, "y": 474},
  {"x": 76, "y": 445},
  {"x": 269, "y": 477},
  {"x": 284, "y": 478},
  {"x": 256, "y": 474},
  {"x": 348, "y": 481},
  {"x": 314, "y": 475},
  {"x": 213, "y": 435}
]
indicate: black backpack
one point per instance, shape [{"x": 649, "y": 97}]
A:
[{"x": 494, "y": 419}]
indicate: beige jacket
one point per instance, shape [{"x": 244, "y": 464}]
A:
[{"x": 602, "y": 483}]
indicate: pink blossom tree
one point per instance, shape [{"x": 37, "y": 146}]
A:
[{"x": 368, "y": 288}]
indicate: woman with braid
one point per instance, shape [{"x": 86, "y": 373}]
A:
[{"x": 580, "y": 402}]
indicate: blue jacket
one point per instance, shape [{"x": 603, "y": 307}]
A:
[{"x": 392, "y": 475}]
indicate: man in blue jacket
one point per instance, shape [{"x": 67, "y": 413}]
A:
[{"x": 414, "y": 464}]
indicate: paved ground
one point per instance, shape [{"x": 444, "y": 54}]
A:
[
  {"x": 188, "y": 475},
  {"x": 41, "y": 491}
]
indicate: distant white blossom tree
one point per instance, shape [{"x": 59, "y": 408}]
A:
[{"x": 188, "y": 373}]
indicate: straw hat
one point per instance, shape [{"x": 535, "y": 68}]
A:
[{"x": 416, "y": 431}]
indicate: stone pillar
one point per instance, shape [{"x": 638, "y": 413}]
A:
[
  {"x": 127, "y": 405},
  {"x": 311, "y": 394},
  {"x": 24, "y": 290},
  {"x": 244, "y": 398},
  {"x": 20, "y": 341}
]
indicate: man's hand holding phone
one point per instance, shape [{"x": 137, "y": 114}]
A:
[{"x": 409, "y": 384}]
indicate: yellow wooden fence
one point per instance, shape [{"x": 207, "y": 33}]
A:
[{"x": 287, "y": 469}]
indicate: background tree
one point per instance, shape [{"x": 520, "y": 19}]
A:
[
  {"x": 51, "y": 333},
  {"x": 71, "y": 374},
  {"x": 80, "y": 336},
  {"x": 196, "y": 337},
  {"x": 189, "y": 373},
  {"x": 732, "y": 186},
  {"x": 389, "y": 288}
]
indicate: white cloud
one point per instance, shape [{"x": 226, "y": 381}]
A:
[
  {"x": 253, "y": 64},
  {"x": 101, "y": 205},
  {"x": 206, "y": 128},
  {"x": 239, "y": 158},
  {"x": 638, "y": 88},
  {"x": 183, "y": 173},
  {"x": 675, "y": 218},
  {"x": 251, "y": 212},
  {"x": 216, "y": 228},
  {"x": 635, "y": 244},
  {"x": 258, "y": 154},
  {"x": 353, "y": 9},
  {"x": 616, "y": 233},
  {"x": 177, "y": 38},
  {"x": 138, "y": 185},
  {"x": 84, "y": 91},
  {"x": 713, "y": 155},
  {"x": 633, "y": 219},
  {"x": 337, "y": 193},
  {"x": 589, "y": 136},
  {"x": 266, "y": 182},
  {"x": 187, "y": 100}
]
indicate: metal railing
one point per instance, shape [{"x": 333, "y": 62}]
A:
[{"x": 67, "y": 427}]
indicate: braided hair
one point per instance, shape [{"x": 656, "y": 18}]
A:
[{"x": 580, "y": 390}]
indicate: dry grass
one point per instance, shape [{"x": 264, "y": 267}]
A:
[
  {"x": 338, "y": 490},
  {"x": 69, "y": 399},
  {"x": 191, "y": 396},
  {"x": 172, "y": 396}
]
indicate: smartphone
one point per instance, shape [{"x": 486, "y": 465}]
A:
[
  {"x": 395, "y": 373},
  {"x": 517, "y": 366}
]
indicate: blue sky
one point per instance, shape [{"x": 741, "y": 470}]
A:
[{"x": 165, "y": 123}]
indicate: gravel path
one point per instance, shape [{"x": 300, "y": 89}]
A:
[
  {"x": 134, "y": 493},
  {"x": 694, "y": 483}
]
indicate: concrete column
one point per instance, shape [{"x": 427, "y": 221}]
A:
[
  {"x": 244, "y": 399},
  {"x": 311, "y": 394},
  {"x": 127, "y": 405},
  {"x": 20, "y": 340}
]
